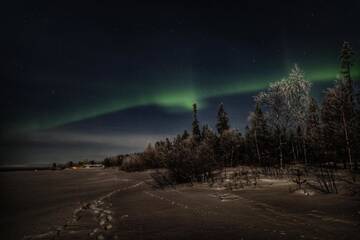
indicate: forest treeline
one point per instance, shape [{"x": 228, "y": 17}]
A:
[{"x": 287, "y": 126}]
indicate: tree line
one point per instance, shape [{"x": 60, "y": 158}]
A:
[{"x": 287, "y": 126}]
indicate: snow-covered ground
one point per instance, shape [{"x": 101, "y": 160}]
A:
[{"x": 108, "y": 204}]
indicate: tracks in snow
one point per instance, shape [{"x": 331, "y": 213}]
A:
[
  {"x": 98, "y": 215},
  {"x": 175, "y": 203}
]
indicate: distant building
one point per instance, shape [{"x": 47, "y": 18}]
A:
[{"x": 95, "y": 165}]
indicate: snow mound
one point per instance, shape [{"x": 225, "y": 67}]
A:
[{"x": 304, "y": 192}]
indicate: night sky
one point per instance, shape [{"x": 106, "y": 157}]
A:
[{"x": 86, "y": 80}]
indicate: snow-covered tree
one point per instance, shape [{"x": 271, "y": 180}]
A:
[
  {"x": 286, "y": 102},
  {"x": 297, "y": 91},
  {"x": 274, "y": 101}
]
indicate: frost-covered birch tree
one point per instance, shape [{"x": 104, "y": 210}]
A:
[{"x": 286, "y": 102}]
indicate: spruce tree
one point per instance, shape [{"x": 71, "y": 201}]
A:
[
  {"x": 195, "y": 125},
  {"x": 346, "y": 61},
  {"x": 204, "y": 131},
  {"x": 222, "y": 120},
  {"x": 185, "y": 135}
]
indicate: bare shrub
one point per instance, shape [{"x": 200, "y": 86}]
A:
[
  {"x": 298, "y": 178},
  {"x": 161, "y": 180},
  {"x": 133, "y": 162},
  {"x": 326, "y": 180}
]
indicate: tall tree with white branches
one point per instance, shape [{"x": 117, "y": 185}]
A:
[{"x": 287, "y": 102}]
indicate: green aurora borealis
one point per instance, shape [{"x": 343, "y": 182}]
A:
[
  {"x": 102, "y": 78},
  {"x": 178, "y": 97}
]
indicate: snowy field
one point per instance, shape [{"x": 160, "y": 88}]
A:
[{"x": 109, "y": 204}]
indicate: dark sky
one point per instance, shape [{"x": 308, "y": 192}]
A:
[{"x": 85, "y": 80}]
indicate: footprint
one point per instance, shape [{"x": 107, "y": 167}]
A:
[
  {"x": 124, "y": 216},
  {"x": 100, "y": 237},
  {"x": 102, "y": 221}
]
